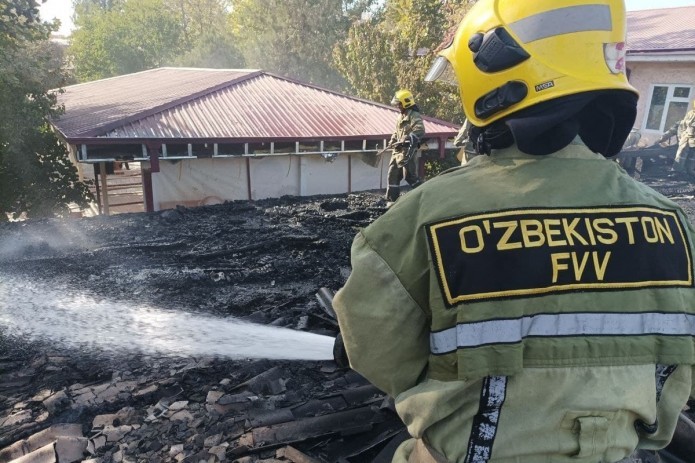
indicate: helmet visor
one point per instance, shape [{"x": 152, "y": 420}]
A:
[{"x": 442, "y": 71}]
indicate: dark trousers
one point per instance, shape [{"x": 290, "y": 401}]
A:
[{"x": 397, "y": 172}]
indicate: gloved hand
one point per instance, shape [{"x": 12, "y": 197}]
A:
[{"x": 339, "y": 352}]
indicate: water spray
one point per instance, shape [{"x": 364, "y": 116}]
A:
[{"x": 38, "y": 313}]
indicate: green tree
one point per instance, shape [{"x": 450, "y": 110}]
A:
[
  {"x": 115, "y": 37},
  {"x": 207, "y": 39},
  {"x": 213, "y": 51},
  {"x": 295, "y": 37},
  {"x": 394, "y": 49},
  {"x": 201, "y": 19},
  {"x": 132, "y": 36},
  {"x": 366, "y": 61},
  {"x": 36, "y": 175},
  {"x": 81, "y": 7}
]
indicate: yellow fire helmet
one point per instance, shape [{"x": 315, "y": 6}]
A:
[
  {"x": 508, "y": 55},
  {"x": 405, "y": 98}
]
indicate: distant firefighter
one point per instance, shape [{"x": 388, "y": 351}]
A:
[
  {"x": 685, "y": 131},
  {"x": 405, "y": 142}
]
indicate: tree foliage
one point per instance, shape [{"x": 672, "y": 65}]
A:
[
  {"x": 126, "y": 37},
  {"x": 115, "y": 37},
  {"x": 36, "y": 175},
  {"x": 295, "y": 37},
  {"x": 395, "y": 47}
]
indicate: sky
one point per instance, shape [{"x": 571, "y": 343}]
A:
[{"x": 62, "y": 9}]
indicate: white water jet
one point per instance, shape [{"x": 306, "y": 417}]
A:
[{"x": 38, "y": 313}]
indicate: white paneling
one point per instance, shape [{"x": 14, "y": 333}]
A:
[
  {"x": 274, "y": 176},
  {"x": 198, "y": 182}
]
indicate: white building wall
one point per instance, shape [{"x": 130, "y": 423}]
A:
[
  {"x": 323, "y": 176},
  {"x": 197, "y": 182},
  {"x": 366, "y": 177},
  {"x": 274, "y": 176}
]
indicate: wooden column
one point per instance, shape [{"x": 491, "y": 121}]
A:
[
  {"x": 248, "y": 176},
  {"x": 104, "y": 187},
  {"x": 349, "y": 173}
]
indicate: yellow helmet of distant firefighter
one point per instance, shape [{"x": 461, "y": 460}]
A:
[
  {"x": 404, "y": 98},
  {"x": 508, "y": 55}
]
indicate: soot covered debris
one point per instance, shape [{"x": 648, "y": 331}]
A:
[{"x": 139, "y": 290}]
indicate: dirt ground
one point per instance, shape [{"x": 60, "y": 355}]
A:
[{"x": 261, "y": 261}]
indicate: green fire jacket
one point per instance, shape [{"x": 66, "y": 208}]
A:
[
  {"x": 527, "y": 309},
  {"x": 408, "y": 122}
]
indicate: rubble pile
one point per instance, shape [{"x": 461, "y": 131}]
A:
[
  {"x": 268, "y": 262},
  {"x": 264, "y": 262}
]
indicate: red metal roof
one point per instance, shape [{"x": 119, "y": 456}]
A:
[
  {"x": 221, "y": 104},
  {"x": 664, "y": 29}
]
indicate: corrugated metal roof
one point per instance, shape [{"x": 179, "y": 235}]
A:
[
  {"x": 221, "y": 104},
  {"x": 664, "y": 29}
]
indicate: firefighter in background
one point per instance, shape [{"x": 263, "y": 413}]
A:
[
  {"x": 405, "y": 142},
  {"x": 685, "y": 132},
  {"x": 535, "y": 305}
]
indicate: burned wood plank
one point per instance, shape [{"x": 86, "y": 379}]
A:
[
  {"x": 39, "y": 440},
  {"x": 288, "y": 433},
  {"x": 357, "y": 446},
  {"x": 294, "y": 455}
]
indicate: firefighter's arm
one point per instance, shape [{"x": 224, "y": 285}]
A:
[
  {"x": 462, "y": 135},
  {"x": 417, "y": 126},
  {"x": 393, "y": 139},
  {"x": 384, "y": 330},
  {"x": 669, "y": 133}
]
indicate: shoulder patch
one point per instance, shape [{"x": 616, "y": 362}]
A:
[{"x": 526, "y": 252}]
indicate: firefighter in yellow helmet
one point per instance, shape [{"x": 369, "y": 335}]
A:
[
  {"x": 537, "y": 304},
  {"x": 405, "y": 142}
]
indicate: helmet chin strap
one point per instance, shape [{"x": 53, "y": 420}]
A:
[{"x": 494, "y": 136}]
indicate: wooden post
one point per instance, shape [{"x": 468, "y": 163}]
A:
[
  {"x": 248, "y": 176},
  {"x": 349, "y": 173},
  {"x": 98, "y": 188},
  {"x": 147, "y": 188},
  {"x": 105, "y": 186},
  {"x": 147, "y": 176}
]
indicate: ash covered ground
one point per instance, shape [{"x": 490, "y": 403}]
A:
[{"x": 261, "y": 262}]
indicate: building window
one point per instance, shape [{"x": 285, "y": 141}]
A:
[{"x": 667, "y": 105}]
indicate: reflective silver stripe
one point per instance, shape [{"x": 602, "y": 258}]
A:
[
  {"x": 563, "y": 21},
  {"x": 550, "y": 325}
]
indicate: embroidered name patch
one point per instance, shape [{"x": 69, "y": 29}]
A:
[{"x": 526, "y": 252}]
